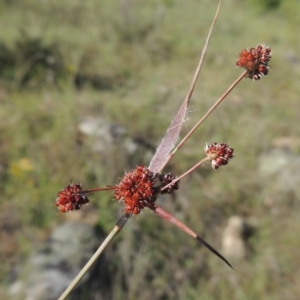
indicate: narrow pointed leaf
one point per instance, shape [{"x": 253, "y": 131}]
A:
[
  {"x": 169, "y": 141},
  {"x": 170, "y": 218},
  {"x": 162, "y": 154}
]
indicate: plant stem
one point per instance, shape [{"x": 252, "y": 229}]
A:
[
  {"x": 208, "y": 113},
  {"x": 187, "y": 172},
  {"x": 122, "y": 221},
  {"x": 193, "y": 84},
  {"x": 161, "y": 157}
]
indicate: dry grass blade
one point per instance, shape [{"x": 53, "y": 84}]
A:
[
  {"x": 208, "y": 113},
  {"x": 160, "y": 158}
]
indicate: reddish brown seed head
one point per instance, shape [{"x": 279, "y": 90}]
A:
[
  {"x": 71, "y": 198},
  {"x": 218, "y": 154},
  {"x": 137, "y": 190},
  {"x": 166, "y": 179},
  {"x": 255, "y": 60},
  {"x": 140, "y": 188}
]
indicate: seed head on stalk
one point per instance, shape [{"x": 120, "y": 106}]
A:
[
  {"x": 139, "y": 188},
  {"x": 255, "y": 60}
]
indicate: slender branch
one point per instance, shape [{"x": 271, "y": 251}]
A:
[
  {"x": 197, "y": 165},
  {"x": 208, "y": 113},
  {"x": 122, "y": 221}
]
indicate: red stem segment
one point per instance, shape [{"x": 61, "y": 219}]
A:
[{"x": 170, "y": 218}]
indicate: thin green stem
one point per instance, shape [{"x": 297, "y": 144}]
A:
[{"x": 122, "y": 221}]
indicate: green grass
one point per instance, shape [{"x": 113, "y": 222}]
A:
[{"x": 138, "y": 60}]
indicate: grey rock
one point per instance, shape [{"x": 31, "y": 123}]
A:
[
  {"x": 52, "y": 268},
  {"x": 235, "y": 237}
]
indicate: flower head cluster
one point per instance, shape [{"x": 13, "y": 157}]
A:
[
  {"x": 255, "y": 60},
  {"x": 71, "y": 198},
  {"x": 140, "y": 188},
  {"x": 137, "y": 189},
  {"x": 165, "y": 180},
  {"x": 218, "y": 154}
]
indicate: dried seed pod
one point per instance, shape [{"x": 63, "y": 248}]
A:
[
  {"x": 137, "y": 190},
  {"x": 166, "y": 179},
  {"x": 255, "y": 60},
  {"x": 218, "y": 154},
  {"x": 71, "y": 198}
]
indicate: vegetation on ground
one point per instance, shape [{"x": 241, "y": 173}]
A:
[{"x": 131, "y": 63}]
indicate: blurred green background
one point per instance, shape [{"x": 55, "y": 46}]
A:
[{"x": 130, "y": 63}]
